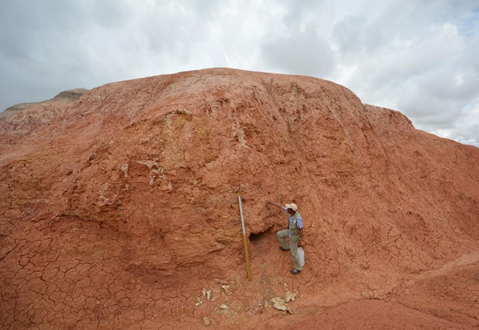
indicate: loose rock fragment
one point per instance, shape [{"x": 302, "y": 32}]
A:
[
  {"x": 207, "y": 294},
  {"x": 290, "y": 296},
  {"x": 227, "y": 289},
  {"x": 279, "y": 304},
  {"x": 206, "y": 321}
]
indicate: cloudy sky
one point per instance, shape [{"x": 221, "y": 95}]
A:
[{"x": 420, "y": 57}]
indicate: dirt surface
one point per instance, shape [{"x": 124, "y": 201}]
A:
[
  {"x": 119, "y": 210},
  {"x": 49, "y": 108}
]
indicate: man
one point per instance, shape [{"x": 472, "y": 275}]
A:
[{"x": 295, "y": 226}]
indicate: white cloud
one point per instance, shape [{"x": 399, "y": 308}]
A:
[
  {"x": 305, "y": 53},
  {"x": 464, "y": 129},
  {"x": 428, "y": 69},
  {"x": 419, "y": 57}
]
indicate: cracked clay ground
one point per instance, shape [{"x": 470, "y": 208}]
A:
[{"x": 118, "y": 210}]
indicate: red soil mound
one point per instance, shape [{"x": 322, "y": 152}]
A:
[{"x": 119, "y": 210}]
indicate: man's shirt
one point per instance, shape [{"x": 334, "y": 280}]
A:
[{"x": 299, "y": 220}]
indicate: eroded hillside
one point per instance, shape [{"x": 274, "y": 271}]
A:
[{"x": 119, "y": 210}]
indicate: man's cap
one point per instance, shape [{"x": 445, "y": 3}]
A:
[{"x": 292, "y": 206}]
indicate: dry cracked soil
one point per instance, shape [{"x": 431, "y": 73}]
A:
[{"x": 118, "y": 209}]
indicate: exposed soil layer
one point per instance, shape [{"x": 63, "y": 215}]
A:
[
  {"x": 119, "y": 210},
  {"x": 64, "y": 97}
]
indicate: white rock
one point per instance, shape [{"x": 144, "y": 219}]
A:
[
  {"x": 227, "y": 289},
  {"x": 290, "y": 296},
  {"x": 206, "y": 321},
  {"x": 279, "y": 304}
]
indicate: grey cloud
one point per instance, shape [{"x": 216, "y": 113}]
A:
[
  {"x": 351, "y": 35},
  {"x": 52, "y": 45},
  {"x": 298, "y": 12},
  {"x": 43, "y": 49},
  {"x": 426, "y": 108},
  {"x": 419, "y": 57},
  {"x": 397, "y": 21},
  {"x": 423, "y": 84},
  {"x": 299, "y": 53},
  {"x": 417, "y": 74}
]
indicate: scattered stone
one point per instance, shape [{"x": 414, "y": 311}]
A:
[
  {"x": 206, "y": 321},
  {"x": 227, "y": 289},
  {"x": 224, "y": 307},
  {"x": 279, "y": 304},
  {"x": 199, "y": 303},
  {"x": 290, "y": 296},
  {"x": 207, "y": 294}
]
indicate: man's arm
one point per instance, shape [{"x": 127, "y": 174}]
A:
[
  {"x": 274, "y": 204},
  {"x": 299, "y": 224}
]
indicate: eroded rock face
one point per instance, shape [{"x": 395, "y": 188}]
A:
[
  {"x": 120, "y": 209},
  {"x": 23, "y": 118}
]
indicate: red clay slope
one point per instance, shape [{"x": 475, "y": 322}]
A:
[{"x": 119, "y": 211}]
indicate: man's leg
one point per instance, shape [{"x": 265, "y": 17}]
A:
[
  {"x": 282, "y": 234},
  {"x": 293, "y": 246}
]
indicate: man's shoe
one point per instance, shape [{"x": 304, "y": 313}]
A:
[
  {"x": 283, "y": 249},
  {"x": 295, "y": 271}
]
